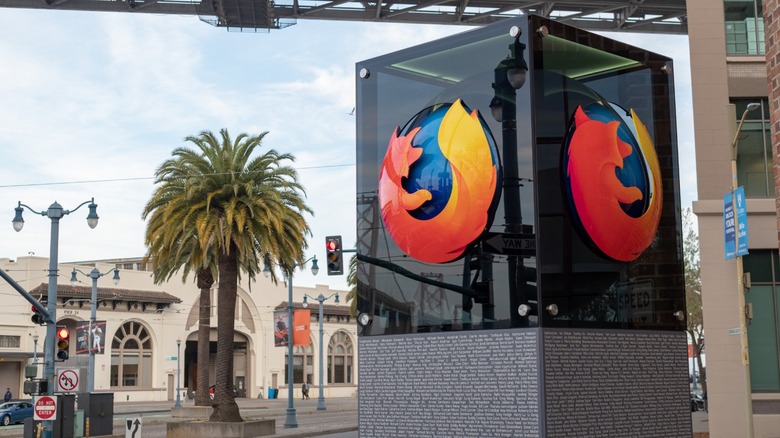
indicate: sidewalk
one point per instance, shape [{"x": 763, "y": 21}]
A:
[{"x": 340, "y": 416}]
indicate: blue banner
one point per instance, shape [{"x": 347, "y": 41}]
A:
[{"x": 731, "y": 223}]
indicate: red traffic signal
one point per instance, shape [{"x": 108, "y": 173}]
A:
[
  {"x": 335, "y": 256},
  {"x": 63, "y": 343},
  {"x": 37, "y": 318}
]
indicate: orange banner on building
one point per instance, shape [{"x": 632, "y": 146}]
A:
[{"x": 302, "y": 328}]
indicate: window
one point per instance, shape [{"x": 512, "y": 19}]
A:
[
  {"x": 754, "y": 150},
  {"x": 131, "y": 356},
  {"x": 340, "y": 353},
  {"x": 764, "y": 329},
  {"x": 301, "y": 355},
  {"x": 744, "y": 27},
  {"x": 7, "y": 341}
]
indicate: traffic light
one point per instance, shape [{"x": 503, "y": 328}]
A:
[
  {"x": 37, "y": 318},
  {"x": 335, "y": 256},
  {"x": 63, "y": 343}
]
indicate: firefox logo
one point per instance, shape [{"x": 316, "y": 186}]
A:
[
  {"x": 438, "y": 184},
  {"x": 612, "y": 179}
]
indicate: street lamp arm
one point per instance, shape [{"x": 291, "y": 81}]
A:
[
  {"x": 750, "y": 107},
  {"x": 41, "y": 213},
  {"x": 91, "y": 201},
  {"x": 94, "y": 274}
]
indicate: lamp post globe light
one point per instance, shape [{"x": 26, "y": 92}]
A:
[
  {"x": 55, "y": 212},
  {"x": 94, "y": 274},
  {"x": 321, "y": 299},
  {"x": 291, "y": 420}
]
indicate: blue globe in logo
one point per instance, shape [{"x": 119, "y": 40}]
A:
[{"x": 432, "y": 171}]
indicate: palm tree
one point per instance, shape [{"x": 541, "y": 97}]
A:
[
  {"x": 352, "y": 283},
  {"x": 241, "y": 211},
  {"x": 176, "y": 249}
]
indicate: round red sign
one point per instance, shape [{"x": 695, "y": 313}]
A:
[{"x": 45, "y": 408}]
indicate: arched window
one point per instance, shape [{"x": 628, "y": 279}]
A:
[
  {"x": 340, "y": 354},
  {"x": 131, "y": 356},
  {"x": 303, "y": 363}
]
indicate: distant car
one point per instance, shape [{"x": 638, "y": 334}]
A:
[
  {"x": 697, "y": 402},
  {"x": 15, "y": 412}
]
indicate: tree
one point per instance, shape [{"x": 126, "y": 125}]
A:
[
  {"x": 693, "y": 303},
  {"x": 240, "y": 211},
  {"x": 352, "y": 283},
  {"x": 177, "y": 249}
]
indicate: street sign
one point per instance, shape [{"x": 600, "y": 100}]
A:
[
  {"x": 133, "y": 427},
  {"x": 519, "y": 244},
  {"x": 68, "y": 380},
  {"x": 45, "y": 408}
]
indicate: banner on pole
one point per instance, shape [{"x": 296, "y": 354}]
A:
[
  {"x": 90, "y": 337},
  {"x": 281, "y": 333},
  {"x": 302, "y": 328}
]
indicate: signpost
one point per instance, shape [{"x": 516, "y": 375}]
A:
[
  {"x": 517, "y": 244},
  {"x": 133, "y": 427},
  {"x": 68, "y": 380},
  {"x": 45, "y": 408}
]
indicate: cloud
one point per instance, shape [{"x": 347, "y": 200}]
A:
[{"x": 106, "y": 97}]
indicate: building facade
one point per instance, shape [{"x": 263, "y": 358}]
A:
[
  {"x": 151, "y": 333},
  {"x": 729, "y": 72}
]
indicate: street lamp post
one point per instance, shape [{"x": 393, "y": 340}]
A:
[
  {"x": 321, "y": 299},
  {"x": 35, "y": 349},
  {"x": 55, "y": 212},
  {"x": 740, "y": 277},
  {"x": 94, "y": 274},
  {"x": 178, "y": 374},
  {"x": 509, "y": 76},
  {"x": 291, "y": 421}
]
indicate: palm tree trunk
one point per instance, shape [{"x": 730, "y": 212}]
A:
[
  {"x": 205, "y": 281},
  {"x": 225, "y": 407}
]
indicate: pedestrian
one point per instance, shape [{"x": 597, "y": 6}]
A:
[
  {"x": 305, "y": 391},
  {"x": 8, "y": 395}
]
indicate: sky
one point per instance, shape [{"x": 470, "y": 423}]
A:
[{"x": 92, "y": 103}]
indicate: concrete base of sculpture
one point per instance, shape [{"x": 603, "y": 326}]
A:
[
  {"x": 192, "y": 412},
  {"x": 244, "y": 429}
]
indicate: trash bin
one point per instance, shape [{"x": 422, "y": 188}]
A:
[{"x": 271, "y": 393}]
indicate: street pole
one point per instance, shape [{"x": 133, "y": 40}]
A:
[
  {"x": 321, "y": 299},
  {"x": 94, "y": 274},
  {"x": 291, "y": 420},
  {"x": 178, "y": 374},
  {"x": 509, "y": 76},
  {"x": 55, "y": 212},
  {"x": 90, "y": 335},
  {"x": 743, "y": 338},
  {"x": 321, "y": 396}
]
